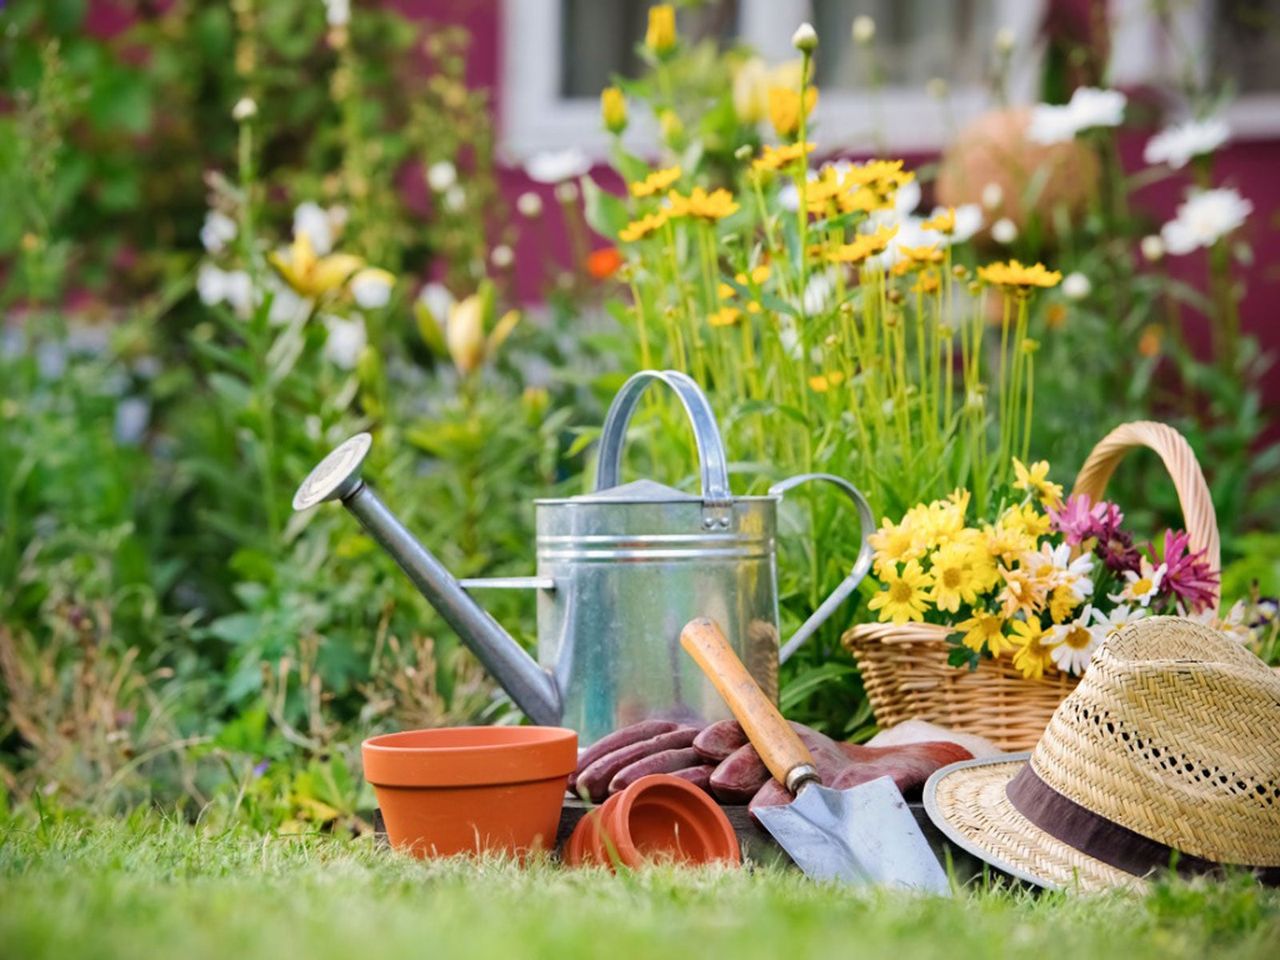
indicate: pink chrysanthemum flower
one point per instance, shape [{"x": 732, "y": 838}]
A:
[
  {"x": 1188, "y": 576},
  {"x": 1074, "y": 518}
]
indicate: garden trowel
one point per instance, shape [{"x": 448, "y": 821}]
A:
[{"x": 859, "y": 835}]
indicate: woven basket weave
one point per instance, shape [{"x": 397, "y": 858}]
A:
[{"x": 905, "y": 670}]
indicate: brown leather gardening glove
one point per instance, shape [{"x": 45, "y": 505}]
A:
[
  {"x": 741, "y": 776},
  {"x": 616, "y": 761}
]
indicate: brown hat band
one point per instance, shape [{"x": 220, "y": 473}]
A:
[{"x": 1103, "y": 839}]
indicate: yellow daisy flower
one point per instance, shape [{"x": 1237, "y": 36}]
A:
[
  {"x": 1031, "y": 656},
  {"x": 1023, "y": 592},
  {"x": 1035, "y": 480},
  {"x": 724, "y": 317},
  {"x": 823, "y": 382},
  {"x": 641, "y": 228},
  {"x": 985, "y": 629},
  {"x": 1014, "y": 274},
  {"x": 655, "y": 183},
  {"x": 893, "y": 543},
  {"x": 1063, "y": 601},
  {"x": 699, "y": 203},
  {"x": 775, "y": 158},
  {"x": 954, "y": 579},
  {"x": 784, "y": 108},
  {"x": 864, "y": 245},
  {"x": 905, "y": 596},
  {"x": 759, "y": 274},
  {"x": 943, "y": 222}
]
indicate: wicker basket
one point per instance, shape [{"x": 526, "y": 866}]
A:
[{"x": 905, "y": 670}]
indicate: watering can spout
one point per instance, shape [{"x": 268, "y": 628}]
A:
[{"x": 337, "y": 477}]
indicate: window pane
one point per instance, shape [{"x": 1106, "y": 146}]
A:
[
  {"x": 599, "y": 38},
  {"x": 1246, "y": 44},
  {"x": 916, "y": 40}
]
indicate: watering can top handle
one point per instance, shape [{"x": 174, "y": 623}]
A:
[
  {"x": 713, "y": 463},
  {"x": 861, "y": 566}
]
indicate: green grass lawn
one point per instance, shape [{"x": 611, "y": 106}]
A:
[{"x": 142, "y": 887}]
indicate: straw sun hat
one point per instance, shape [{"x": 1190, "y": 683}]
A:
[{"x": 1171, "y": 742}]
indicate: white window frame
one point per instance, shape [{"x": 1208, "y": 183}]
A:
[
  {"x": 1148, "y": 58},
  {"x": 534, "y": 117}
]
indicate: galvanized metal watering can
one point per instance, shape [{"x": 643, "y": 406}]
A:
[{"x": 619, "y": 572}]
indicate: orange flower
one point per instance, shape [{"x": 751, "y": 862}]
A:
[{"x": 604, "y": 263}]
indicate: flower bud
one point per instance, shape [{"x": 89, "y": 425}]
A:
[
  {"x": 1005, "y": 41},
  {"x": 660, "y": 37},
  {"x": 805, "y": 39},
  {"x": 245, "y": 109},
  {"x": 613, "y": 109},
  {"x": 1152, "y": 247},
  {"x": 864, "y": 30}
]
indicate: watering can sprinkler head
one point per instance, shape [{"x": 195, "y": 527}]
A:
[{"x": 337, "y": 477}]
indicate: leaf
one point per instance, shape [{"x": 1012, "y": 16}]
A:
[{"x": 605, "y": 213}]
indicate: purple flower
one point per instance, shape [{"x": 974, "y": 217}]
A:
[
  {"x": 1074, "y": 518},
  {"x": 1188, "y": 576},
  {"x": 1118, "y": 552},
  {"x": 1106, "y": 519},
  {"x": 260, "y": 768}
]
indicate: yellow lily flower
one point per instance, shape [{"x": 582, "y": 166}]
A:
[{"x": 313, "y": 276}]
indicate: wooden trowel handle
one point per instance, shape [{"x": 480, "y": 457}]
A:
[{"x": 782, "y": 751}]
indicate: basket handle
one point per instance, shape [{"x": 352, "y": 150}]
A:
[{"x": 1188, "y": 480}]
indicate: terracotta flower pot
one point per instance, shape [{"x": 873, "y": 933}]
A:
[
  {"x": 659, "y": 817},
  {"x": 471, "y": 789}
]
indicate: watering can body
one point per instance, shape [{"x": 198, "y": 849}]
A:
[{"x": 620, "y": 571}]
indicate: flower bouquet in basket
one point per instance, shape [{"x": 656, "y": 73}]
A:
[{"x": 986, "y": 622}]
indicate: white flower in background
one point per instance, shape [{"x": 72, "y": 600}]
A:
[
  {"x": 314, "y": 221},
  {"x": 992, "y": 195},
  {"x": 1076, "y": 286},
  {"x": 1142, "y": 585},
  {"x": 1231, "y": 623},
  {"x": 529, "y": 204},
  {"x": 286, "y": 306},
  {"x": 969, "y": 221},
  {"x": 1089, "y": 107},
  {"x": 218, "y": 231},
  {"x": 1203, "y": 219},
  {"x": 502, "y": 256},
  {"x": 789, "y": 194},
  {"x": 455, "y": 199},
  {"x": 345, "y": 342},
  {"x": 216, "y": 286},
  {"x": 437, "y": 300},
  {"x": 1105, "y": 624},
  {"x": 337, "y": 12},
  {"x": 132, "y": 416},
  {"x": 1005, "y": 40},
  {"x": 1073, "y": 643},
  {"x": 1152, "y": 247},
  {"x": 1180, "y": 144},
  {"x": 1004, "y": 231},
  {"x": 818, "y": 292},
  {"x": 245, "y": 109},
  {"x": 789, "y": 336},
  {"x": 441, "y": 175},
  {"x": 556, "y": 166},
  {"x": 864, "y": 29},
  {"x": 567, "y": 192},
  {"x": 371, "y": 288},
  {"x": 805, "y": 39}
]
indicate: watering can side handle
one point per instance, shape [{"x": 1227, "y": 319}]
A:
[
  {"x": 714, "y": 465},
  {"x": 861, "y": 566}
]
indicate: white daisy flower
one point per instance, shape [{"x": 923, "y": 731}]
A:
[
  {"x": 313, "y": 220},
  {"x": 1203, "y": 219},
  {"x": 1141, "y": 586},
  {"x": 1056, "y": 565},
  {"x": 1089, "y": 107},
  {"x": 1076, "y": 286},
  {"x": 1180, "y": 144},
  {"x": 1072, "y": 643},
  {"x": 1004, "y": 231},
  {"x": 1231, "y": 623},
  {"x": 346, "y": 341},
  {"x": 1105, "y": 624},
  {"x": 441, "y": 175},
  {"x": 218, "y": 231},
  {"x": 969, "y": 221},
  {"x": 371, "y": 288}
]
